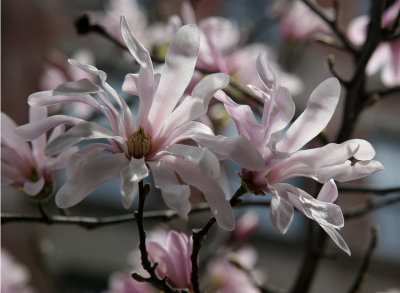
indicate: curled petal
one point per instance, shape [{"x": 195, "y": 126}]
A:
[
  {"x": 89, "y": 177},
  {"x": 46, "y": 98},
  {"x": 313, "y": 120},
  {"x": 80, "y": 87},
  {"x": 329, "y": 192},
  {"x": 175, "y": 195},
  {"x": 265, "y": 72}
]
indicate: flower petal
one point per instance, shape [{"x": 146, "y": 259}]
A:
[
  {"x": 281, "y": 213},
  {"x": 205, "y": 160},
  {"x": 213, "y": 193},
  {"x": 178, "y": 70},
  {"x": 89, "y": 177},
  {"x": 38, "y": 144},
  {"x": 85, "y": 131},
  {"x": 80, "y": 87},
  {"x": 175, "y": 195},
  {"x": 313, "y": 120},
  {"x": 265, "y": 72},
  {"x": 237, "y": 148},
  {"x": 329, "y": 192},
  {"x": 33, "y": 130},
  {"x": 335, "y": 236},
  {"x": 130, "y": 175}
]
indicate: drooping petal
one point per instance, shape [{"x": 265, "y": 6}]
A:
[
  {"x": 175, "y": 195},
  {"x": 212, "y": 192},
  {"x": 178, "y": 70},
  {"x": 89, "y": 177},
  {"x": 46, "y": 98},
  {"x": 237, "y": 148},
  {"x": 85, "y": 131},
  {"x": 130, "y": 175},
  {"x": 320, "y": 107},
  {"x": 33, "y": 188},
  {"x": 281, "y": 213},
  {"x": 266, "y": 74},
  {"x": 203, "y": 158},
  {"x": 335, "y": 236},
  {"x": 329, "y": 192},
  {"x": 33, "y": 130}
]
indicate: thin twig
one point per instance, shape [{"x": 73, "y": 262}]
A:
[
  {"x": 362, "y": 274},
  {"x": 370, "y": 206},
  {"x": 161, "y": 284},
  {"x": 199, "y": 235}
]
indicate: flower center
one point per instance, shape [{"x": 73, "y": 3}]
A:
[{"x": 139, "y": 143}]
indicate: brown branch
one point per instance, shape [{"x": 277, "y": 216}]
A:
[
  {"x": 361, "y": 276},
  {"x": 199, "y": 235},
  {"x": 370, "y": 206},
  {"x": 375, "y": 191}
]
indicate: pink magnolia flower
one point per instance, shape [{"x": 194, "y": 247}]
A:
[
  {"x": 297, "y": 22},
  {"x": 153, "y": 142},
  {"x": 387, "y": 54},
  {"x": 221, "y": 51},
  {"x": 284, "y": 157},
  {"x": 121, "y": 282},
  {"x": 172, "y": 253},
  {"x": 14, "y": 276},
  {"x": 225, "y": 277},
  {"x": 246, "y": 226},
  {"x": 27, "y": 167}
]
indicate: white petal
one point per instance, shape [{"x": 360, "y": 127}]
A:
[
  {"x": 320, "y": 107},
  {"x": 130, "y": 175},
  {"x": 329, "y": 192},
  {"x": 33, "y": 188},
  {"x": 265, "y": 72},
  {"x": 335, "y": 236},
  {"x": 204, "y": 159},
  {"x": 175, "y": 195},
  {"x": 281, "y": 213},
  {"x": 38, "y": 144},
  {"x": 219, "y": 204},
  {"x": 89, "y": 177}
]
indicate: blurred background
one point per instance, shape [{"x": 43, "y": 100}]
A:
[{"x": 63, "y": 258}]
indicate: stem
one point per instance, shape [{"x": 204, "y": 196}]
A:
[
  {"x": 361, "y": 276},
  {"x": 199, "y": 235}
]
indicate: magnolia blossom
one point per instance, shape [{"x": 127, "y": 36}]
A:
[
  {"x": 284, "y": 157},
  {"x": 246, "y": 226},
  {"x": 27, "y": 167},
  {"x": 172, "y": 253},
  {"x": 14, "y": 276},
  {"x": 296, "y": 21},
  {"x": 387, "y": 54},
  {"x": 122, "y": 282},
  {"x": 221, "y": 51},
  {"x": 153, "y": 142},
  {"x": 223, "y": 276}
]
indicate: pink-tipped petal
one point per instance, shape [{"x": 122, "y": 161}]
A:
[
  {"x": 89, "y": 177},
  {"x": 175, "y": 195},
  {"x": 329, "y": 192},
  {"x": 313, "y": 120}
]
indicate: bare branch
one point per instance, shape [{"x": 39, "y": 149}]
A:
[
  {"x": 376, "y": 191},
  {"x": 370, "y": 206},
  {"x": 361, "y": 276}
]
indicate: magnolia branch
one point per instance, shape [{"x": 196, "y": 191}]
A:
[{"x": 361, "y": 276}]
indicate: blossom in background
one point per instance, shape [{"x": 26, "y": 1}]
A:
[
  {"x": 57, "y": 71},
  {"x": 284, "y": 157},
  {"x": 221, "y": 50},
  {"x": 232, "y": 272},
  {"x": 293, "y": 27},
  {"x": 25, "y": 167},
  {"x": 246, "y": 226},
  {"x": 153, "y": 141},
  {"x": 387, "y": 55},
  {"x": 14, "y": 276},
  {"x": 172, "y": 252},
  {"x": 122, "y": 282}
]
